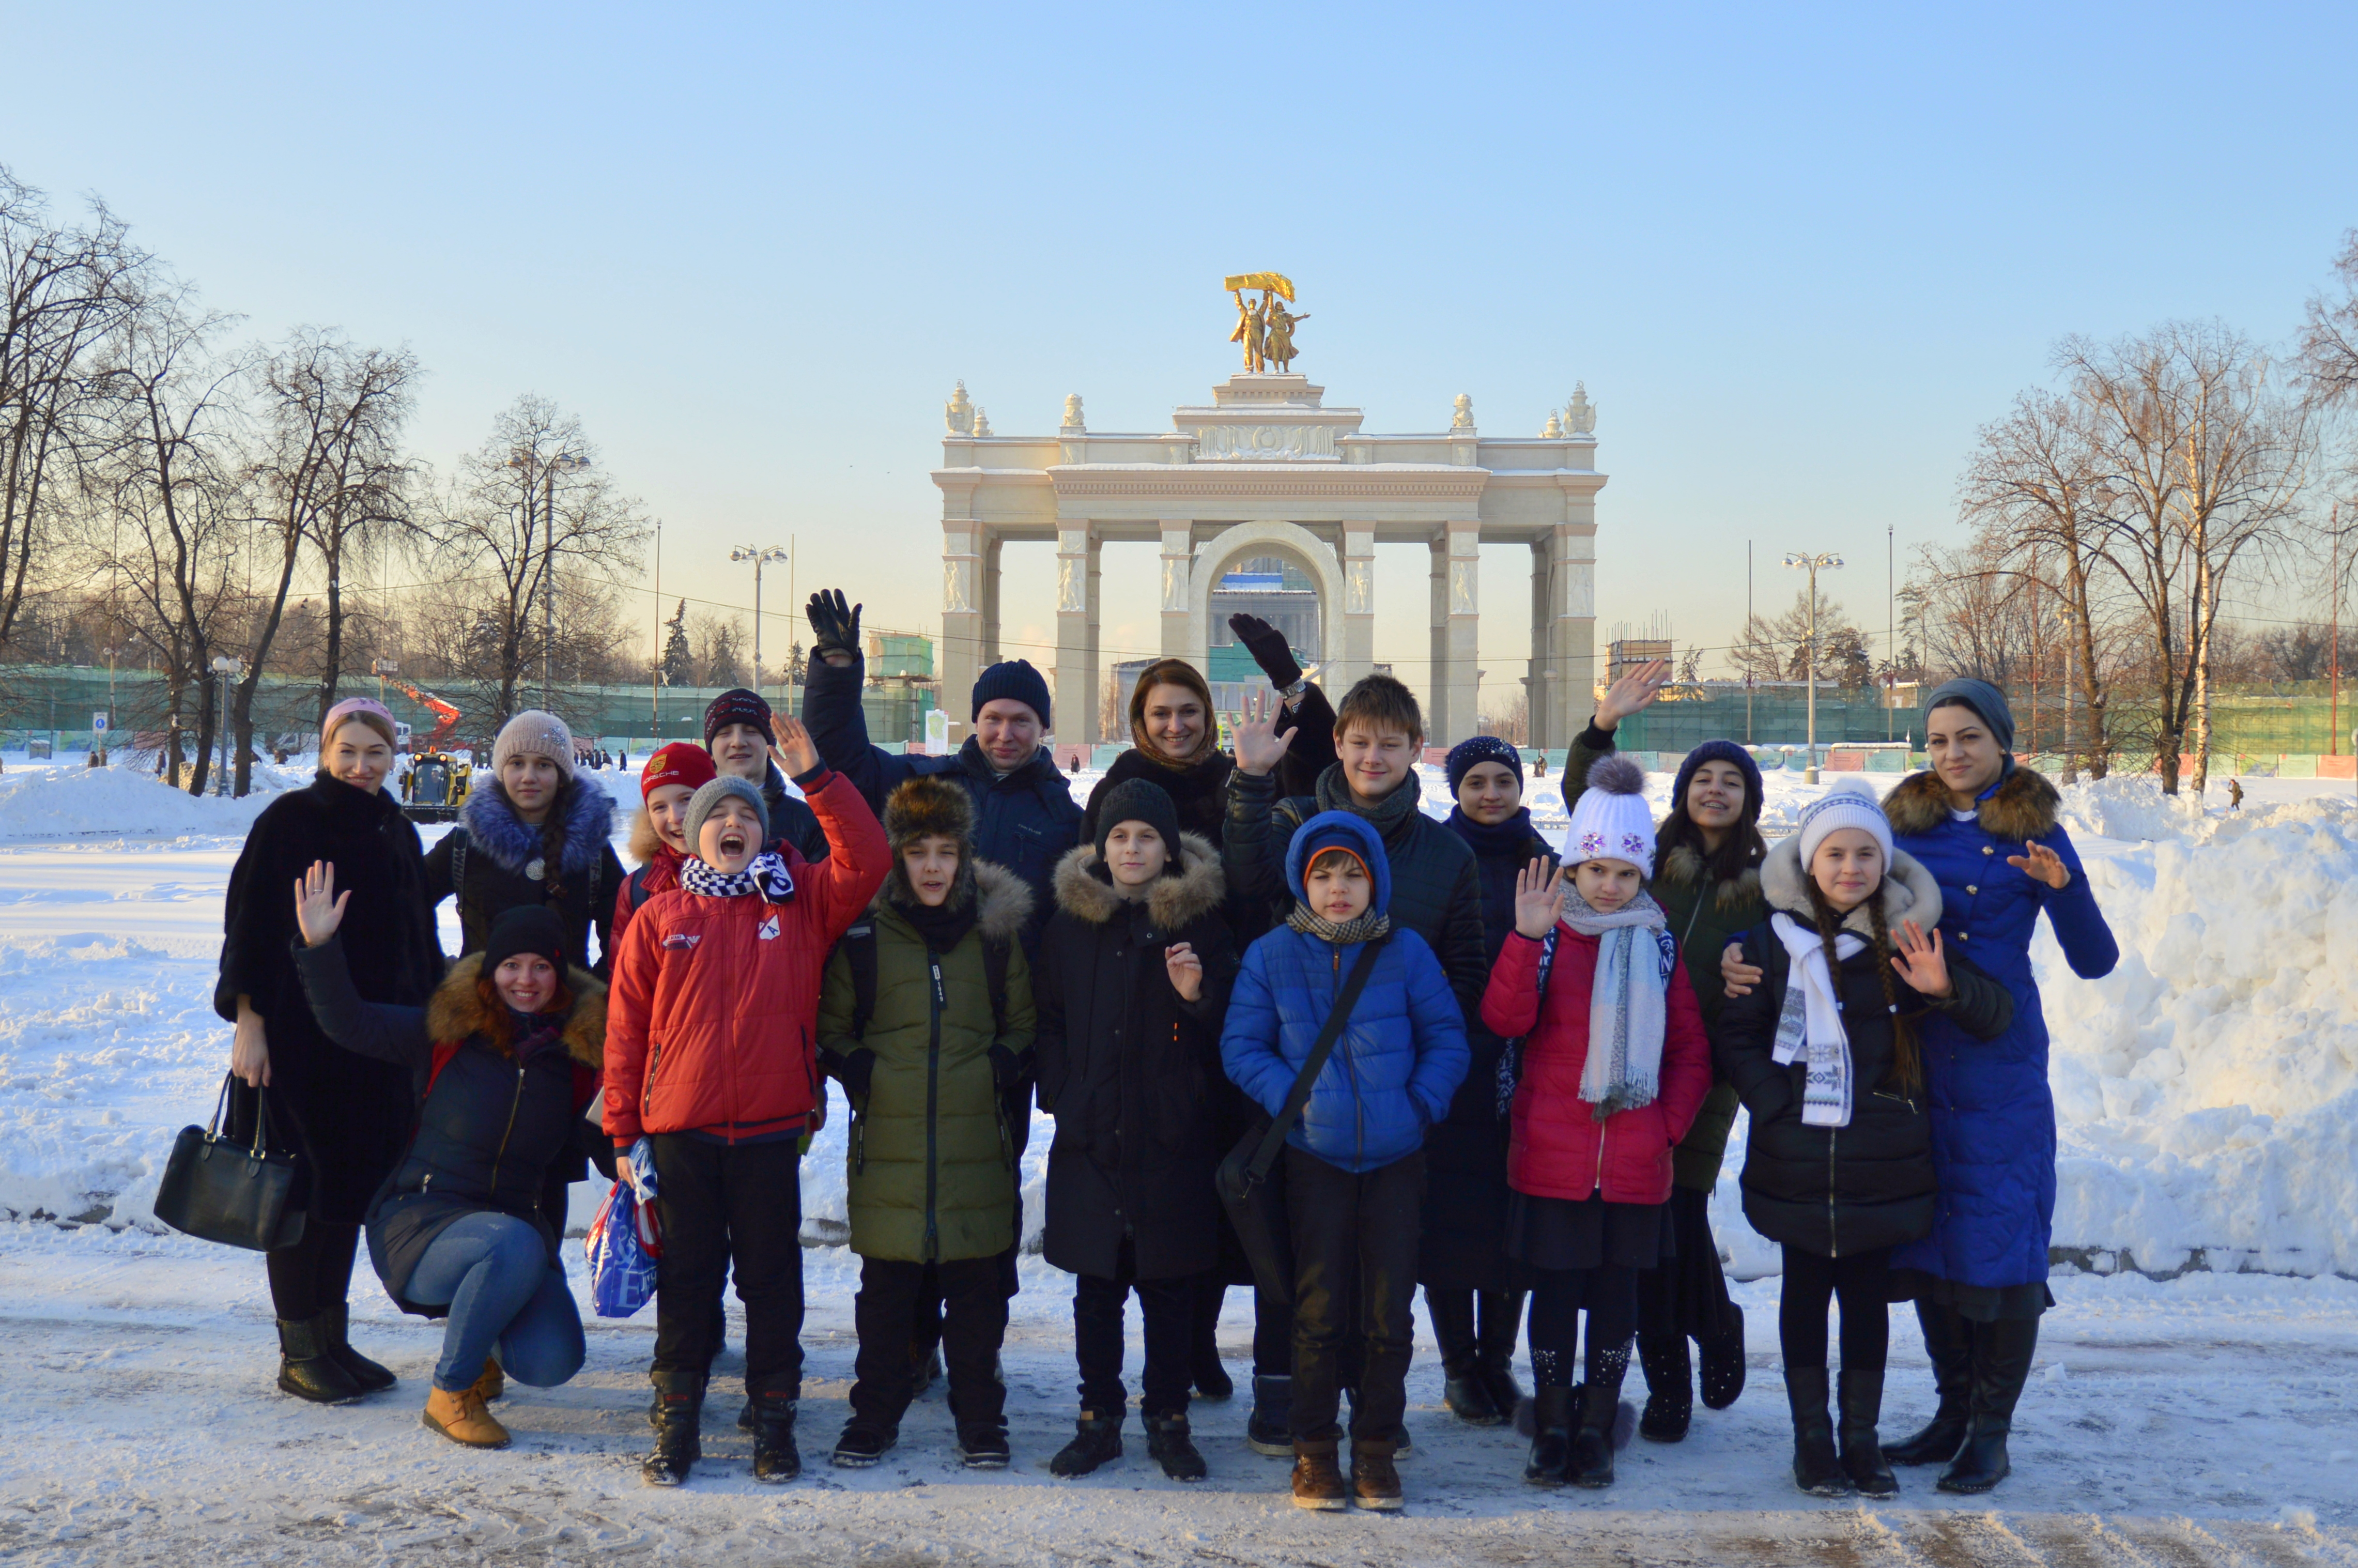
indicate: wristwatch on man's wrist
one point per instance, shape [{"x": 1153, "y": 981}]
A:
[{"x": 1292, "y": 693}]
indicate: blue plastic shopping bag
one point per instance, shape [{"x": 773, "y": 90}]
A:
[{"x": 625, "y": 1242}]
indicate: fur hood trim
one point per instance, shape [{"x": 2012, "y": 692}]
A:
[
  {"x": 645, "y": 842},
  {"x": 493, "y": 827},
  {"x": 457, "y": 1012},
  {"x": 2024, "y": 807},
  {"x": 1683, "y": 866},
  {"x": 1908, "y": 891},
  {"x": 1198, "y": 889},
  {"x": 1006, "y": 897}
]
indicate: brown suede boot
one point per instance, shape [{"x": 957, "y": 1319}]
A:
[
  {"x": 461, "y": 1418},
  {"x": 493, "y": 1383},
  {"x": 1317, "y": 1479},
  {"x": 1375, "y": 1483}
]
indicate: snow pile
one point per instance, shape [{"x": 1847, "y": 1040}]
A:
[{"x": 123, "y": 802}]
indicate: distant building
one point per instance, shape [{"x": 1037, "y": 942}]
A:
[
  {"x": 1279, "y": 592},
  {"x": 1624, "y": 655}
]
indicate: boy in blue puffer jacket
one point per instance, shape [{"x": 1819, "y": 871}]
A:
[{"x": 1354, "y": 1162}]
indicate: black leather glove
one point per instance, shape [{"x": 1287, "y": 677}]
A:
[
  {"x": 1269, "y": 648},
  {"x": 1006, "y": 1071},
  {"x": 835, "y": 627},
  {"x": 853, "y": 1072}
]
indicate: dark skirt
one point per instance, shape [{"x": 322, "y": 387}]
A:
[
  {"x": 1557, "y": 1233},
  {"x": 1688, "y": 1293},
  {"x": 1983, "y": 1304}
]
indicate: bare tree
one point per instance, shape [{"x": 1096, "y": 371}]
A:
[
  {"x": 529, "y": 503},
  {"x": 2329, "y": 337},
  {"x": 329, "y": 468},
  {"x": 1780, "y": 649},
  {"x": 63, "y": 291}
]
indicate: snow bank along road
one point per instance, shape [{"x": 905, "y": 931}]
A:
[{"x": 2207, "y": 1094}]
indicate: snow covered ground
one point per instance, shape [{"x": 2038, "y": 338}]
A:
[{"x": 2207, "y": 1094}]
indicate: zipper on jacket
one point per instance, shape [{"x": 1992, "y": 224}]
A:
[
  {"x": 933, "y": 1110},
  {"x": 647, "y": 1084},
  {"x": 1833, "y": 1241},
  {"x": 501, "y": 1152}
]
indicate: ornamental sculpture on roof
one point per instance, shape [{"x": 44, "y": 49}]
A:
[{"x": 1265, "y": 327}]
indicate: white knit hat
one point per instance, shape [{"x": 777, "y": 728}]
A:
[
  {"x": 535, "y": 733},
  {"x": 1851, "y": 803},
  {"x": 1612, "y": 821}
]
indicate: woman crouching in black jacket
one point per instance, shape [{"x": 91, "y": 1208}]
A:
[{"x": 503, "y": 1058}]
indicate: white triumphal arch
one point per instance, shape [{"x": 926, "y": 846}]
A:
[{"x": 1267, "y": 469}]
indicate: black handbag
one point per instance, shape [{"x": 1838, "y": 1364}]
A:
[
  {"x": 218, "y": 1190},
  {"x": 1256, "y": 1206}
]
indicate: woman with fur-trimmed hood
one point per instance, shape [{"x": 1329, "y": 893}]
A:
[
  {"x": 1135, "y": 966},
  {"x": 926, "y": 1019},
  {"x": 503, "y": 1059}
]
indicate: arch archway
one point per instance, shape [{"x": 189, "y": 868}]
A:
[{"x": 1247, "y": 539}]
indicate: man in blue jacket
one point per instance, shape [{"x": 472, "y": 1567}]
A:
[{"x": 1355, "y": 1162}]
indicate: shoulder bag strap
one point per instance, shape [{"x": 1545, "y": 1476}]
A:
[{"x": 1273, "y": 1140}]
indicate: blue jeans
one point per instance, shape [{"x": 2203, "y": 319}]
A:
[{"x": 492, "y": 1271}]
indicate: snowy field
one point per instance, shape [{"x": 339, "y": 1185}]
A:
[{"x": 2195, "y": 1400}]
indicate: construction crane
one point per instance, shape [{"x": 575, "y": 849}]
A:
[{"x": 444, "y": 710}]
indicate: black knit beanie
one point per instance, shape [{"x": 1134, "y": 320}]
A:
[
  {"x": 1015, "y": 680},
  {"x": 735, "y": 706},
  {"x": 526, "y": 928},
  {"x": 1140, "y": 800}
]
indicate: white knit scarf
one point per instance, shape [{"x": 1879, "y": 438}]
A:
[
  {"x": 1810, "y": 1021},
  {"x": 1628, "y": 1015}
]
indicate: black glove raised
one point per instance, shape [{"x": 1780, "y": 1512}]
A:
[
  {"x": 835, "y": 627},
  {"x": 1269, "y": 648}
]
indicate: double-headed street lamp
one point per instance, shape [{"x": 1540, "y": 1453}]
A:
[
  {"x": 759, "y": 557},
  {"x": 1813, "y": 564}
]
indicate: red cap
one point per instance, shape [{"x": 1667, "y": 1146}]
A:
[{"x": 681, "y": 763}]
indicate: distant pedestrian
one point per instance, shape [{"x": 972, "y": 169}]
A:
[{"x": 2234, "y": 794}]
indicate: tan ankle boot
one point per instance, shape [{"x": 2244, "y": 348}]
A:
[
  {"x": 493, "y": 1383},
  {"x": 461, "y": 1418}
]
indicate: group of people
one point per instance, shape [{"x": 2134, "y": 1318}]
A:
[{"x": 1507, "y": 1071}]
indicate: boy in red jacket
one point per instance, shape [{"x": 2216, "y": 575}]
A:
[
  {"x": 1612, "y": 1067},
  {"x": 710, "y": 1056}
]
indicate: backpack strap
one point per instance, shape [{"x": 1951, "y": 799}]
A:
[
  {"x": 636, "y": 883},
  {"x": 1272, "y": 1140},
  {"x": 458, "y": 877},
  {"x": 859, "y": 949}
]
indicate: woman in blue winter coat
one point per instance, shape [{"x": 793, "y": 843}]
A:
[
  {"x": 1355, "y": 1162},
  {"x": 1987, "y": 832}
]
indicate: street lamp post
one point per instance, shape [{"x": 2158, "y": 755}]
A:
[
  {"x": 225, "y": 665},
  {"x": 104, "y": 745},
  {"x": 1813, "y": 565},
  {"x": 382, "y": 668},
  {"x": 528, "y": 458},
  {"x": 758, "y": 555}
]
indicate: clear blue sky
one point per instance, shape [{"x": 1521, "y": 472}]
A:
[{"x": 1797, "y": 254}]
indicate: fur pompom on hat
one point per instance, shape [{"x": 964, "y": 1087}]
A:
[
  {"x": 1612, "y": 821},
  {"x": 535, "y": 733},
  {"x": 1851, "y": 803},
  {"x": 929, "y": 803}
]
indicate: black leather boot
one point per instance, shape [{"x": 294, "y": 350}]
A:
[
  {"x": 776, "y": 1457},
  {"x": 1550, "y": 1438},
  {"x": 1817, "y": 1469},
  {"x": 371, "y": 1377},
  {"x": 1600, "y": 1413},
  {"x": 1170, "y": 1444},
  {"x": 1861, "y": 1399},
  {"x": 677, "y": 1417},
  {"x": 1502, "y": 1322},
  {"x": 1097, "y": 1440},
  {"x": 1269, "y": 1429},
  {"x": 2002, "y": 1353},
  {"x": 1949, "y": 1341},
  {"x": 307, "y": 1366},
  {"x": 1670, "y": 1386},
  {"x": 1722, "y": 1362}
]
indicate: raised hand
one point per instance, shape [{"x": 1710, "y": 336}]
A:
[
  {"x": 1736, "y": 977},
  {"x": 1923, "y": 964},
  {"x": 2042, "y": 865},
  {"x": 1185, "y": 970},
  {"x": 1632, "y": 692},
  {"x": 1259, "y": 748},
  {"x": 795, "y": 750},
  {"x": 834, "y": 626},
  {"x": 1269, "y": 648},
  {"x": 318, "y": 907},
  {"x": 1539, "y": 898}
]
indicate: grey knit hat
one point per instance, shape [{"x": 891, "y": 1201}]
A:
[{"x": 708, "y": 795}]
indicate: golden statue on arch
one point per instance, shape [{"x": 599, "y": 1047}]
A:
[{"x": 1265, "y": 327}]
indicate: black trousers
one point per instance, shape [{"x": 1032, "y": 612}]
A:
[
  {"x": 972, "y": 1331},
  {"x": 1167, "y": 1307},
  {"x": 721, "y": 1204},
  {"x": 314, "y": 1274},
  {"x": 1862, "y": 1281},
  {"x": 1353, "y": 1230},
  {"x": 1608, "y": 1293}
]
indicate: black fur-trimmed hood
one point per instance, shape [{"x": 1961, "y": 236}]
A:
[
  {"x": 1196, "y": 892},
  {"x": 2025, "y": 806},
  {"x": 1683, "y": 865},
  {"x": 1908, "y": 891},
  {"x": 493, "y": 828}
]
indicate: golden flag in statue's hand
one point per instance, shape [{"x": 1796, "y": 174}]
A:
[{"x": 1276, "y": 282}]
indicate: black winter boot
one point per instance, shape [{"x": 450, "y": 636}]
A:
[
  {"x": 1169, "y": 1445},
  {"x": 1723, "y": 1363},
  {"x": 982, "y": 1445},
  {"x": 1817, "y": 1469},
  {"x": 776, "y": 1457},
  {"x": 1861, "y": 1399},
  {"x": 1600, "y": 1415},
  {"x": 307, "y": 1366},
  {"x": 1269, "y": 1429},
  {"x": 679, "y": 1421},
  {"x": 1502, "y": 1320},
  {"x": 1670, "y": 1386},
  {"x": 2002, "y": 1353},
  {"x": 1465, "y": 1393},
  {"x": 1211, "y": 1379},
  {"x": 1097, "y": 1440},
  {"x": 1552, "y": 1437},
  {"x": 371, "y": 1377},
  {"x": 1949, "y": 1341}
]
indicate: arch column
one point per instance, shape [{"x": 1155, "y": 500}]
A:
[
  {"x": 1358, "y": 650},
  {"x": 1178, "y": 548},
  {"x": 1563, "y": 677},
  {"x": 967, "y": 629},
  {"x": 1452, "y": 700},
  {"x": 1077, "y": 549}
]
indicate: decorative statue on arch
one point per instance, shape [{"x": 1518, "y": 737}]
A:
[{"x": 1265, "y": 327}]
